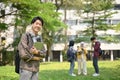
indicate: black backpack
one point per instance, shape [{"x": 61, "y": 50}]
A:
[
  {"x": 17, "y": 61},
  {"x": 69, "y": 58},
  {"x": 100, "y": 52},
  {"x": 70, "y": 55}
]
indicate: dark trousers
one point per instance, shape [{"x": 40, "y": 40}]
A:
[{"x": 95, "y": 64}]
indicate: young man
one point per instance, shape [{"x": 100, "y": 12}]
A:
[
  {"x": 30, "y": 56},
  {"x": 96, "y": 46},
  {"x": 81, "y": 58}
]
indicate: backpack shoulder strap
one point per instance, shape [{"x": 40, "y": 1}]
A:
[{"x": 28, "y": 36}]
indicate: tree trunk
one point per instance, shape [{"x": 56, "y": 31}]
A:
[{"x": 93, "y": 23}]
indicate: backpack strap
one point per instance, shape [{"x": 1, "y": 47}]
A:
[{"x": 28, "y": 35}]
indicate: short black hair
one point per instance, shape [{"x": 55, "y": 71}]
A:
[
  {"x": 37, "y": 18},
  {"x": 71, "y": 43},
  {"x": 3, "y": 38},
  {"x": 92, "y": 38}
]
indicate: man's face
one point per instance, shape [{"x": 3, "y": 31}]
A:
[{"x": 37, "y": 26}]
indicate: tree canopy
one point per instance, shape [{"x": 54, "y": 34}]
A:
[{"x": 25, "y": 10}]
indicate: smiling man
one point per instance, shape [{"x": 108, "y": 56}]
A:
[{"x": 30, "y": 56}]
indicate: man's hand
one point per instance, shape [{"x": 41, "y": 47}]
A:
[
  {"x": 36, "y": 58},
  {"x": 34, "y": 50},
  {"x": 82, "y": 49}
]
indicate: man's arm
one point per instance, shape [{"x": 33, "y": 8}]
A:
[{"x": 24, "y": 49}]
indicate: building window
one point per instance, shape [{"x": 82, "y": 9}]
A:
[{"x": 71, "y": 22}]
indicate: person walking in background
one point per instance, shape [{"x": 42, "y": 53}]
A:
[
  {"x": 96, "y": 46},
  {"x": 71, "y": 52},
  {"x": 81, "y": 58},
  {"x": 29, "y": 54}
]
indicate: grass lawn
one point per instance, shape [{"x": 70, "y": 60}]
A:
[{"x": 109, "y": 70}]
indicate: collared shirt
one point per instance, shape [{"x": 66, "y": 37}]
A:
[{"x": 35, "y": 38}]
